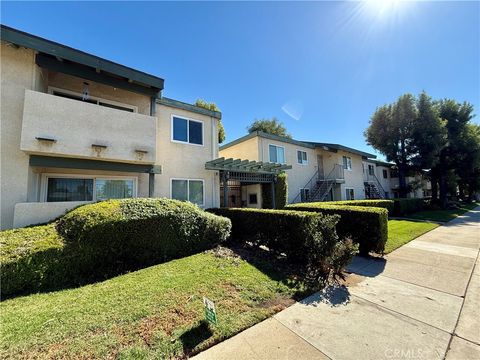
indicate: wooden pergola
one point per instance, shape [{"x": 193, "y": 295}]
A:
[{"x": 246, "y": 171}]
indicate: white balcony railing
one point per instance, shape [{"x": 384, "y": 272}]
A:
[{"x": 58, "y": 126}]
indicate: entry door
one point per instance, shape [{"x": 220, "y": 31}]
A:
[{"x": 321, "y": 173}]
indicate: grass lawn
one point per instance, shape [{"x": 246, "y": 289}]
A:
[
  {"x": 442, "y": 215},
  {"x": 152, "y": 313},
  {"x": 401, "y": 232}
]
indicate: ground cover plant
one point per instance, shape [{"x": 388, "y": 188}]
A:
[
  {"x": 400, "y": 232},
  {"x": 155, "y": 312},
  {"x": 101, "y": 240}
]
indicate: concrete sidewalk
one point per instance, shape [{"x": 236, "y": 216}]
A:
[{"x": 421, "y": 302}]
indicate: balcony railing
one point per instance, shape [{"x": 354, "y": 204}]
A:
[{"x": 58, "y": 126}]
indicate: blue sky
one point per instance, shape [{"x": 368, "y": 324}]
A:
[{"x": 321, "y": 68}]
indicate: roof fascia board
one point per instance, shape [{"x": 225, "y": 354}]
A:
[{"x": 188, "y": 107}]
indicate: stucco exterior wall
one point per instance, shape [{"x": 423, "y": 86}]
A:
[
  {"x": 246, "y": 150},
  {"x": 299, "y": 174},
  {"x": 18, "y": 72},
  {"x": 41, "y": 212},
  {"x": 186, "y": 161},
  {"x": 252, "y": 189}
]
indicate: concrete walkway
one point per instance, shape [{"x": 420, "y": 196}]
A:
[{"x": 421, "y": 302}]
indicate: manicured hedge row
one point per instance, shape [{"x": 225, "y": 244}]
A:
[
  {"x": 283, "y": 231},
  {"x": 386, "y": 204},
  {"x": 100, "y": 240},
  {"x": 366, "y": 226},
  {"x": 404, "y": 207},
  {"x": 304, "y": 237}
]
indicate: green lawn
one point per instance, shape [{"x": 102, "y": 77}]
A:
[
  {"x": 442, "y": 215},
  {"x": 401, "y": 232},
  {"x": 152, "y": 313}
]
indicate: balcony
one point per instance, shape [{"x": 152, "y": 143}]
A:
[{"x": 58, "y": 126}]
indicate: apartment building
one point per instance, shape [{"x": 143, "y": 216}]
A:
[
  {"x": 319, "y": 171},
  {"x": 76, "y": 128},
  {"x": 381, "y": 181}
]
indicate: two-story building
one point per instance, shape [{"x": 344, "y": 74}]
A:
[
  {"x": 320, "y": 171},
  {"x": 76, "y": 128}
]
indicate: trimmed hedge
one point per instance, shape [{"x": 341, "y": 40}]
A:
[
  {"x": 280, "y": 230},
  {"x": 304, "y": 237},
  {"x": 97, "y": 241},
  {"x": 386, "y": 204},
  {"x": 404, "y": 207},
  {"x": 366, "y": 226},
  {"x": 281, "y": 193}
]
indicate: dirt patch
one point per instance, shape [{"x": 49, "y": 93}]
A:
[{"x": 278, "y": 303}]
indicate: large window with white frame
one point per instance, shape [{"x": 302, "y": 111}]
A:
[
  {"x": 276, "y": 154},
  {"x": 186, "y": 130},
  {"x": 349, "y": 194},
  {"x": 58, "y": 187},
  {"x": 188, "y": 190},
  {"x": 347, "y": 162},
  {"x": 302, "y": 157}
]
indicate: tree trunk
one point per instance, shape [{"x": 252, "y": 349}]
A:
[
  {"x": 402, "y": 182},
  {"x": 443, "y": 191},
  {"x": 434, "y": 182}
]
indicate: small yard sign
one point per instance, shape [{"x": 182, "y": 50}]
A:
[{"x": 210, "y": 313}]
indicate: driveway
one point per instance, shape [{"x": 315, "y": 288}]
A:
[{"x": 422, "y": 301}]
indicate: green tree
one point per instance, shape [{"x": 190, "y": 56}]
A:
[
  {"x": 213, "y": 107},
  {"x": 271, "y": 126},
  {"x": 391, "y": 131},
  {"x": 454, "y": 156}
]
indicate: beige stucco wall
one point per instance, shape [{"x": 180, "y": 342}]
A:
[
  {"x": 246, "y": 150},
  {"x": 41, "y": 212},
  {"x": 76, "y": 125},
  {"x": 186, "y": 161},
  {"x": 18, "y": 72},
  {"x": 252, "y": 189},
  {"x": 299, "y": 174}
]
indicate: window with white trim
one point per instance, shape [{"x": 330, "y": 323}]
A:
[
  {"x": 371, "y": 170},
  {"x": 349, "y": 194},
  {"x": 347, "y": 162},
  {"x": 302, "y": 157},
  {"x": 60, "y": 188},
  {"x": 187, "y": 130},
  {"x": 188, "y": 190},
  {"x": 276, "y": 154}
]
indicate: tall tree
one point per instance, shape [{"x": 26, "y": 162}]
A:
[
  {"x": 391, "y": 132},
  {"x": 271, "y": 126},
  {"x": 452, "y": 157},
  {"x": 213, "y": 107}
]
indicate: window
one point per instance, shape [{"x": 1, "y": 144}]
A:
[
  {"x": 92, "y": 100},
  {"x": 188, "y": 190},
  {"x": 349, "y": 194},
  {"x": 252, "y": 198},
  {"x": 347, "y": 162},
  {"x": 385, "y": 174},
  {"x": 277, "y": 154},
  {"x": 187, "y": 131},
  {"x": 302, "y": 157},
  {"x": 371, "y": 170},
  {"x": 88, "y": 189}
]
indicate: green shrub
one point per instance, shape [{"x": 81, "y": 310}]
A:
[
  {"x": 97, "y": 241},
  {"x": 304, "y": 237},
  {"x": 281, "y": 193},
  {"x": 386, "y": 204},
  {"x": 366, "y": 226},
  {"x": 404, "y": 207}
]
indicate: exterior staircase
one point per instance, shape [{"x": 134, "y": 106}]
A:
[
  {"x": 373, "y": 188},
  {"x": 319, "y": 186}
]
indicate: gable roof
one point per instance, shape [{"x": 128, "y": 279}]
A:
[
  {"x": 62, "y": 52},
  {"x": 306, "y": 144}
]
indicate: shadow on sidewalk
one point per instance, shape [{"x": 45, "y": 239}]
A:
[
  {"x": 333, "y": 295},
  {"x": 367, "y": 266}
]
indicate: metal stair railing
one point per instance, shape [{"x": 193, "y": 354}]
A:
[
  {"x": 319, "y": 188},
  {"x": 372, "y": 179}
]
